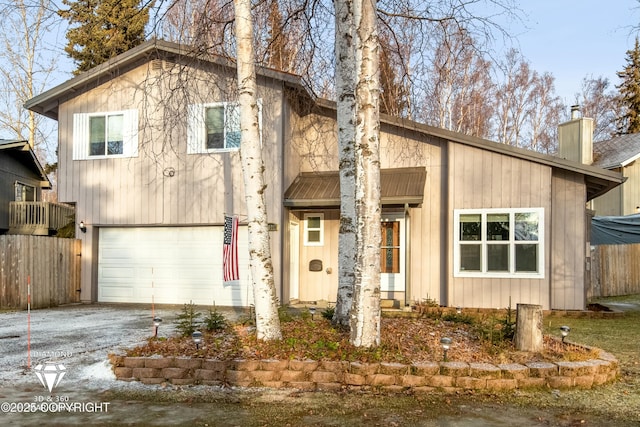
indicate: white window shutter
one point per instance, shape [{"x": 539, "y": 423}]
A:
[
  {"x": 80, "y": 136},
  {"x": 195, "y": 129},
  {"x": 130, "y": 133}
]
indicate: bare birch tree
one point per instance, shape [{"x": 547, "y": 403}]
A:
[
  {"x": 26, "y": 69},
  {"x": 599, "y": 101},
  {"x": 544, "y": 115},
  {"x": 264, "y": 290},
  {"x": 346, "y": 118},
  {"x": 365, "y": 312}
]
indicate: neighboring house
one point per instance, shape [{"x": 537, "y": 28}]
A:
[
  {"x": 22, "y": 180},
  {"x": 148, "y": 152},
  {"x": 620, "y": 154}
]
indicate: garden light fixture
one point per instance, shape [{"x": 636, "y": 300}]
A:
[
  {"x": 197, "y": 338},
  {"x": 156, "y": 323},
  {"x": 564, "y": 330},
  {"x": 312, "y": 310},
  {"x": 446, "y": 343},
  {"x": 458, "y": 310}
]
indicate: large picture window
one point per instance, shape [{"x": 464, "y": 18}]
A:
[{"x": 499, "y": 242}]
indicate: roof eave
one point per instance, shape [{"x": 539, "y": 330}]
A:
[
  {"x": 23, "y": 145},
  {"x": 47, "y": 102}
]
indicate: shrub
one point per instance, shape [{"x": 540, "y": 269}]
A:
[
  {"x": 215, "y": 321},
  {"x": 328, "y": 313},
  {"x": 188, "y": 321}
]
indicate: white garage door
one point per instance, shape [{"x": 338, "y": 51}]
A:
[{"x": 169, "y": 266}]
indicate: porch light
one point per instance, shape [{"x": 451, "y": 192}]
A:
[
  {"x": 156, "y": 323},
  {"x": 83, "y": 227},
  {"x": 446, "y": 344},
  {"x": 564, "y": 330},
  {"x": 312, "y": 310},
  {"x": 197, "y": 338}
]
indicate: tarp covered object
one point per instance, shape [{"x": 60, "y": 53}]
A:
[{"x": 615, "y": 230}]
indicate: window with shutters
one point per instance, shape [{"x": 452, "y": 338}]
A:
[
  {"x": 105, "y": 135},
  {"x": 215, "y": 127}
]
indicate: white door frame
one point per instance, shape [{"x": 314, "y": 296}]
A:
[
  {"x": 294, "y": 260},
  {"x": 395, "y": 282}
]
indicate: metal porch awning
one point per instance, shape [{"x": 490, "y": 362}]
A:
[{"x": 398, "y": 186}]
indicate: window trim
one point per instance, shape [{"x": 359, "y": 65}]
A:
[
  {"x": 307, "y": 229},
  {"x": 197, "y": 128},
  {"x": 22, "y": 185},
  {"x": 512, "y": 243},
  {"x": 82, "y": 134}
]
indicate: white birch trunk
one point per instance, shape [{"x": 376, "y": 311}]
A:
[
  {"x": 345, "y": 88},
  {"x": 264, "y": 290},
  {"x": 365, "y": 313}
]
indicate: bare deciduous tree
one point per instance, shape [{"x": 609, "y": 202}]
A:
[
  {"x": 346, "y": 104},
  {"x": 264, "y": 290},
  {"x": 26, "y": 71},
  {"x": 600, "y": 102},
  {"x": 365, "y": 311}
]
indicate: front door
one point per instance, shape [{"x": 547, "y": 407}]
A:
[{"x": 392, "y": 254}]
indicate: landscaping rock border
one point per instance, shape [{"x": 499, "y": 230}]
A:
[{"x": 310, "y": 375}]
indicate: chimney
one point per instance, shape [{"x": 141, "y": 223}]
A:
[{"x": 575, "y": 138}]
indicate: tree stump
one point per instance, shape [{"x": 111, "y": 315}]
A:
[{"x": 528, "y": 335}]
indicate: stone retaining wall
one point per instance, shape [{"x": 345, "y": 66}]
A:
[{"x": 310, "y": 375}]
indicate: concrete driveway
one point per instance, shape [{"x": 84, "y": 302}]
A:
[{"x": 73, "y": 343}]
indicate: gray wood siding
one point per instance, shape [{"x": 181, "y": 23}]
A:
[
  {"x": 314, "y": 148},
  {"x": 568, "y": 242},
  {"x": 512, "y": 183},
  {"x": 609, "y": 204},
  {"x": 631, "y": 188},
  {"x": 139, "y": 191},
  {"x": 623, "y": 199}
]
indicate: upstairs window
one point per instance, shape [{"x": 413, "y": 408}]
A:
[
  {"x": 106, "y": 135},
  {"x": 499, "y": 243},
  {"x": 222, "y": 123},
  {"x": 214, "y": 127},
  {"x": 103, "y": 135}
]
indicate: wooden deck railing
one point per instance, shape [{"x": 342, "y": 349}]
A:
[{"x": 38, "y": 218}]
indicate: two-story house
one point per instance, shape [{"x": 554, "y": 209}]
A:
[{"x": 148, "y": 153}]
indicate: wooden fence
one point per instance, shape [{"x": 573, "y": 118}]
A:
[
  {"x": 51, "y": 264},
  {"x": 615, "y": 270}
]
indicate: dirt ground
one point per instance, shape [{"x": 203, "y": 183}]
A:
[{"x": 80, "y": 337}]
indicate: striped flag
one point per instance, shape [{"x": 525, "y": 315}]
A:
[{"x": 230, "y": 250}]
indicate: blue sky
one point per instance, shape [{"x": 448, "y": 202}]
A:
[
  {"x": 569, "y": 38},
  {"x": 575, "y": 38}
]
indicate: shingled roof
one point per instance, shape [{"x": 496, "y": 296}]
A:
[{"x": 617, "y": 152}]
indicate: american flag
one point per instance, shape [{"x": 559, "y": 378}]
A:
[{"x": 230, "y": 249}]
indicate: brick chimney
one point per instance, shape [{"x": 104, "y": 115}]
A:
[{"x": 575, "y": 138}]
